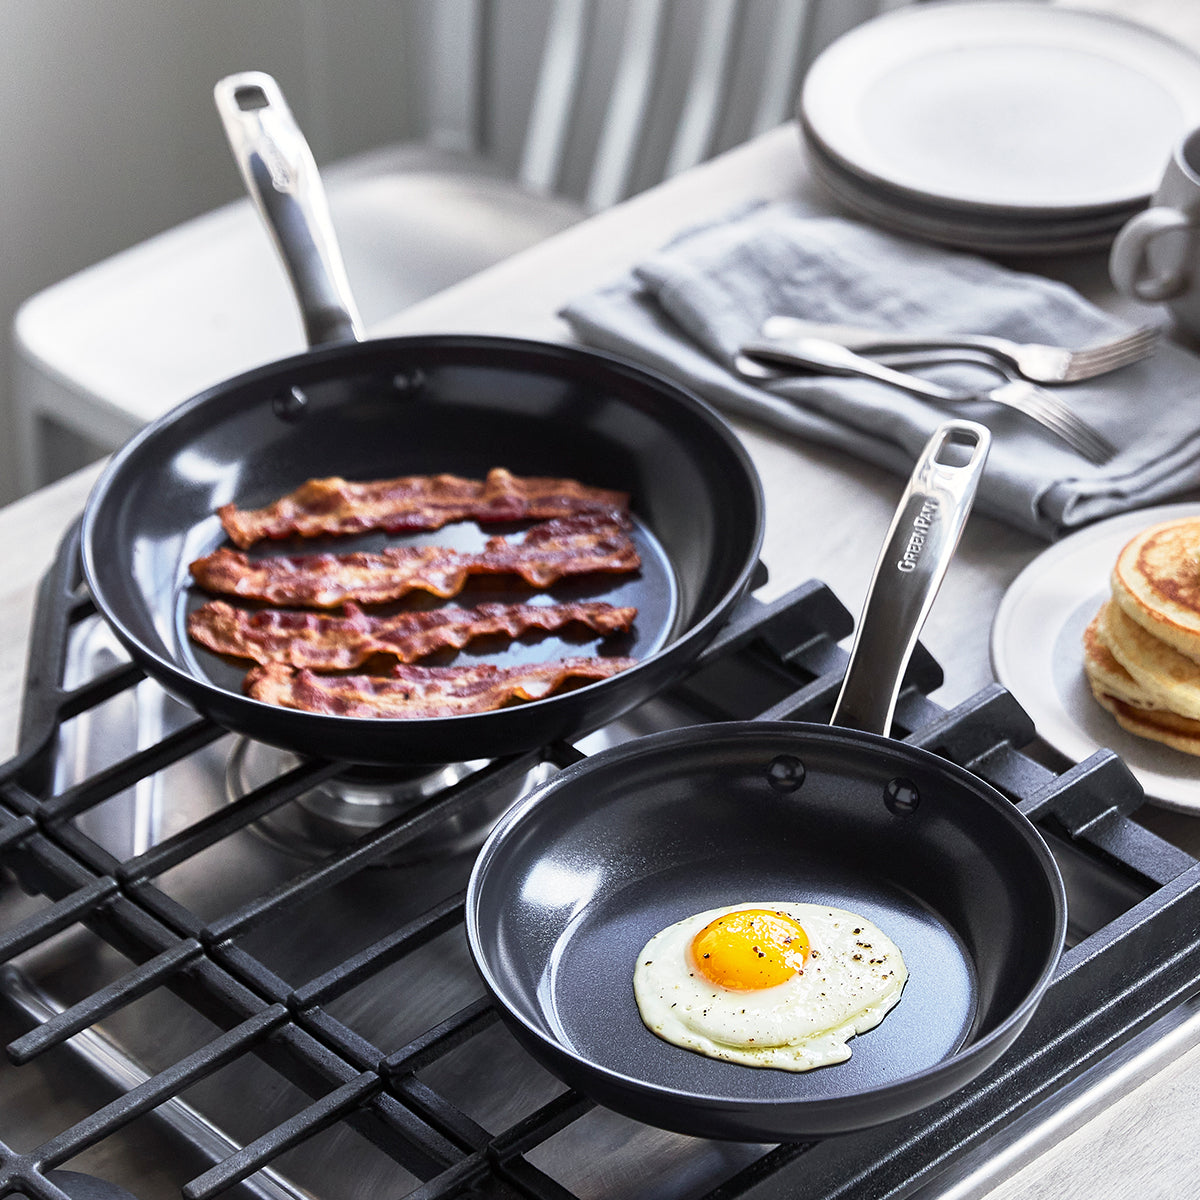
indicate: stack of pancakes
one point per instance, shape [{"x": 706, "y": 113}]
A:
[{"x": 1142, "y": 649}]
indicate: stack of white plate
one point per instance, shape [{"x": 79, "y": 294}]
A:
[{"x": 1000, "y": 126}]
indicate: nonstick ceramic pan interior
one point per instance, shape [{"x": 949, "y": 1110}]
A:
[
  {"x": 577, "y": 878},
  {"x": 422, "y": 405},
  {"x": 414, "y": 406},
  {"x": 574, "y": 880}
]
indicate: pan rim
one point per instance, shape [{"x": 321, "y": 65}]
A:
[
  {"x": 175, "y": 678},
  {"x": 996, "y": 1040}
]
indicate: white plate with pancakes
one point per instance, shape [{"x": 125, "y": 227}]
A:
[{"x": 1037, "y": 653}]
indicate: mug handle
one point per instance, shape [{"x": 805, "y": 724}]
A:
[{"x": 1128, "y": 263}]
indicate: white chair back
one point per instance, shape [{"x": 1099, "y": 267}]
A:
[{"x": 630, "y": 92}]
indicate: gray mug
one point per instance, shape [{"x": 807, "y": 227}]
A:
[{"x": 1156, "y": 256}]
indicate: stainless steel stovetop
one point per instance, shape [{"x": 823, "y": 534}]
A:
[{"x": 232, "y": 969}]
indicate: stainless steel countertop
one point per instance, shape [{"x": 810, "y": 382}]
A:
[{"x": 826, "y": 514}]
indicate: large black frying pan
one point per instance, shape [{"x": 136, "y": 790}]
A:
[
  {"x": 416, "y": 405},
  {"x": 575, "y": 879}
]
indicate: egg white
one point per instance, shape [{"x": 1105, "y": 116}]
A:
[{"x": 853, "y": 977}]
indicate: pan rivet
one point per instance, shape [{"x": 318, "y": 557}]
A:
[
  {"x": 901, "y": 797},
  {"x": 289, "y": 405},
  {"x": 409, "y": 383},
  {"x": 785, "y": 773}
]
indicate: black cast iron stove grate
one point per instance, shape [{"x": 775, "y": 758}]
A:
[{"x": 394, "y": 1092}]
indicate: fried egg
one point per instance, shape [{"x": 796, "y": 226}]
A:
[{"x": 768, "y": 984}]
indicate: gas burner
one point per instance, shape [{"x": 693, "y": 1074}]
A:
[{"x": 359, "y": 801}]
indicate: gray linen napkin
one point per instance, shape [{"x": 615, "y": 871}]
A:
[{"x": 687, "y": 309}]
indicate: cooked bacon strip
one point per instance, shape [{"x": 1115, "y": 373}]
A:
[
  {"x": 549, "y": 551},
  {"x": 412, "y": 502},
  {"x": 413, "y": 691},
  {"x": 328, "y": 643}
]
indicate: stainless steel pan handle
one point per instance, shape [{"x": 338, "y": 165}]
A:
[
  {"x": 282, "y": 179},
  {"x": 910, "y": 569}
]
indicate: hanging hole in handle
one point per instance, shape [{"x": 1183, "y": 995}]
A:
[
  {"x": 249, "y": 97},
  {"x": 958, "y": 447}
]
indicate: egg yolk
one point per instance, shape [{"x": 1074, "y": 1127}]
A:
[{"x": 750, "y": 949}]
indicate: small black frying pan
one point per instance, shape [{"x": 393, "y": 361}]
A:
[
  {"x": 576, "y": 878},
  {"x": 417, "y": 405}
]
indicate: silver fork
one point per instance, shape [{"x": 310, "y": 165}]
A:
[
  {"x": 1039, "y": 363},
  {"x": 1046, "y": 398},
  {"x": 1021, "y": 395}
]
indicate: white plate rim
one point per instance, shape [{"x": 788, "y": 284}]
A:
[
  {"x": 1039, "y": 239},
  {"x": 844, "y": 68},
  {"x": 1043, "y": 611}
]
